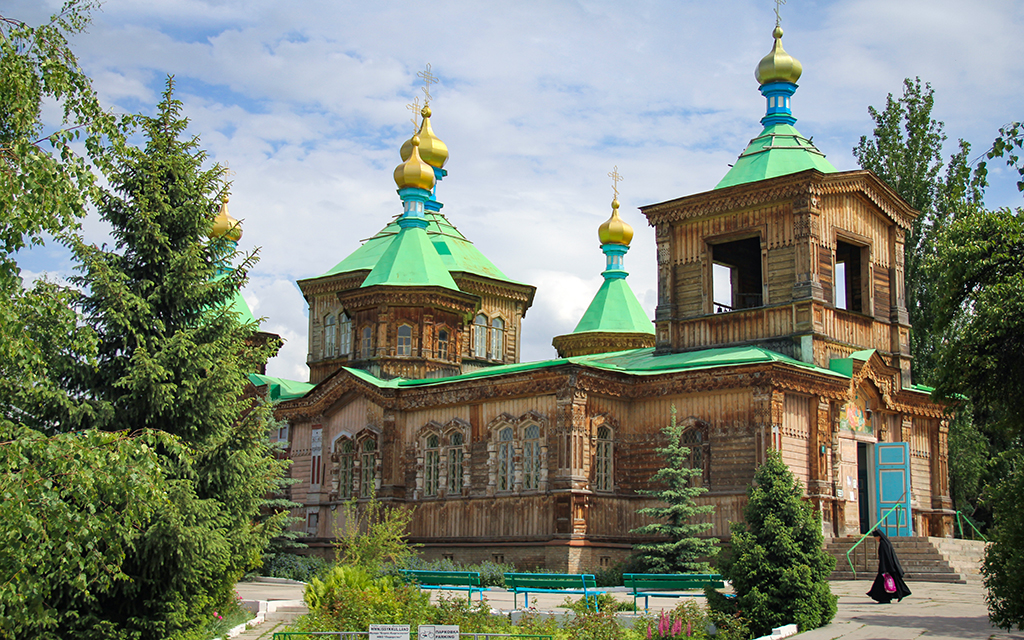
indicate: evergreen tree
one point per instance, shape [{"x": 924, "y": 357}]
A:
[
  {"x": 778, "y": 566},
  {"x": 681, "y": 551},
  {"x": 173, "y": 357}
]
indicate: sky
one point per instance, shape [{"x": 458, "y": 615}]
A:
[{"x": 306, "y": 102}]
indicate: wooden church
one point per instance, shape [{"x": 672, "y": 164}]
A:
[{"x": 417, "y": 395}]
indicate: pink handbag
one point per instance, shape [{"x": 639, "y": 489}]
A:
[{"x": 888, "y": 583}]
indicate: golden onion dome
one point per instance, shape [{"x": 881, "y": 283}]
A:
[
  {"x": 615, "y": 230},
  {"x": 224, "y": 226},
  {"x": 414, "y": 172},
  {"x": 432, "y": 150},
  {"x": 778, "y": 66}
]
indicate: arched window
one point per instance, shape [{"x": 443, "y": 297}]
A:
[
  {"x": 404, "y": 347},
  {"x": 506, "y": 470},
  {"x": 366, "y": 348},
  {"x": 330, "y": 331},
  {"x": 603, "y": 460},
  {"x": 368, "y": 468},
  {"x": 442, "y": 344},
  {"x": 431, "y": 465},
  {"x": 497, "y": 339},
  {"x": 696, "y": 439},
  {"x": 455, "y": 458},
  {"x": 531, "y": 457},
  {"x": 480, "y": 336},
  {"x": 344, "y": 335},
  {"x": 346, "y": 463}
]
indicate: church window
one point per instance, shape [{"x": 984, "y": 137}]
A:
[
  {"x": 316, "y": 458},
  {"x": 368, "y": 468},
  {"x": 480, "y": 336},
  {"x": 497, "y": 339},
  {"x": 344, "y": 335},
  {"x": 366, "y": 348},
  {"x": 603, "y": 461},
  {"x": 404, "y": 341},
  {"x": 531, "y": 457},
  {"x": 330, "y": 331},
  {"x": 696, "y": 440},
  {"x": 736, "y": 276},
  {"x": 455, "y": 459},
  {"x": 442, "y": 344},
  {"x": 346, "y": 463},
  {"x": 850, "y": 277},
  {"x": 431, "y": 465},
  {"x": 505, "y": 462}
]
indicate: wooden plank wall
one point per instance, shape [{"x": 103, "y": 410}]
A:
[
  {"x": 796, "y": 425},
  {"x": 725, "y": 328},
  {"x": 920, "y": 461},
  {"x": 612, "y": 517}
]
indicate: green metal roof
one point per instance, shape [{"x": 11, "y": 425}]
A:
[
  {"x": 241, "y": 307},
  {"x": 638, "y": 362},
  {"x": 615, "y": 309},
  {"x": 779, "y": 150},
  {"x": 280, "y": 388},
  {"x": 457, "y": 253},
  {"x": 410, "y": 260}
]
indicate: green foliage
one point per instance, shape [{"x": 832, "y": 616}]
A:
[
  {"x": 691, "y": 619},
  {"x": 71, "y": 507},
  {"x": 680, "y": 551},
  {"x": 373, "y": 535},
  {"x": 1003, "y": 568},
  {"x": 293, "y": 566},
  {"x": 591, "y": 625},
  {"x": 778, "y": 567},
  {"x": 347, "y": 598},
  {"x": 605, "y": 602},
  {"x": 492, "y": 574},
  {"x": 1008, "y": 144}
]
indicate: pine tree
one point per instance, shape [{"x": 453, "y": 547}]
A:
[
  {"x": 778, "y": 566},
  {"x": 681, "y": 551},
  {"x": 173, "y": 357}
]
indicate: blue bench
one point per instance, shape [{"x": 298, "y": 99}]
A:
[
  {"x": 646, "y": 585},
  {"x": 527, "y": 583},
  {"x": 446, "y": 580}
]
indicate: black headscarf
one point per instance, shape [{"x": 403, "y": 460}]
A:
[{"x": 890, "y": 564}]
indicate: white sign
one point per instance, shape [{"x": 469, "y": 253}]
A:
[
  {"x": 389, "y": 632},
  {"x": 438, "y": 632}
]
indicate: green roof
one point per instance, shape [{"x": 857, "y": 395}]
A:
[
  {"x": 410, "y": 260},
  {"x": 457, "y": 253},
  {"x": 241, "y": 307},
  {"x": 615, "y": 309},
  {"x": 779, "y": 150},
  {"x": 280, "y": 388},
  {"x": 638, "y": 362}
]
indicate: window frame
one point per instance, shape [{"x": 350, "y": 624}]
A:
[{"x": 403, "y": 340}]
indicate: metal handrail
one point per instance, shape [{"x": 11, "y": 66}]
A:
[
  {"x": 968, "y": 519},
  {"x": 885, "y": 516}
]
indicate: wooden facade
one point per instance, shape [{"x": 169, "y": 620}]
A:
[{"x": 543, "y": 464}]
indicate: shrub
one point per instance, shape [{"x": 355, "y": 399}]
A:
[
  {"x": 293, "y": 567},
  {"x": 693, "y": 620},
  {"x": 778, "y": 566},
  {"x": 349, "y": 599}
]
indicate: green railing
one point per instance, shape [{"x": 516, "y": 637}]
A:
[
  {"x": 885, "y": 516},
  {"x": 285, "y": 635},
  {"x": 960, "y": 523}
]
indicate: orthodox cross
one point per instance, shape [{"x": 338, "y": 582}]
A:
[
  {"x": 428, "y": 79},
  {"x": 414, "y": 106},
  {"x": 778, "y": 16},
  {"x": 616, "y": 179}
]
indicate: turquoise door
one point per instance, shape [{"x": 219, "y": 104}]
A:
[{"x": 892, "y": 477}]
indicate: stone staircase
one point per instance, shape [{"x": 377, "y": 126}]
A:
[{"x": 923, "y": 559}]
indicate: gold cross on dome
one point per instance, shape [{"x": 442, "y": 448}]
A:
[
  {"x": 414, "y": 106},
  {"x": 778, "y": 16},
  {"x": 616, "y": 179},
  {"x": 428, "y": 79}
]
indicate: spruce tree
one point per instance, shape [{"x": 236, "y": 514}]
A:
[
  {"x": 173, "y": 357},
  {"x": 778, "y": 566},
  {"x": 679, "y": 550}
]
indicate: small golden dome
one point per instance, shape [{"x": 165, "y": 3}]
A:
[
  {"x": 224, "y": 226},
  {"x": 432, "y": 150},
  {"x": 414, "y": 172},
  {"x": 778, "y": 66},
  {"x": 615, "y": 230}
]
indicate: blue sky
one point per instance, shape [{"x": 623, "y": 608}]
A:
[{"x": 537, "y": 101}]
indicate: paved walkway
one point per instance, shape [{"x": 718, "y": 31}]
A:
[{"x": 935, "y": 611}]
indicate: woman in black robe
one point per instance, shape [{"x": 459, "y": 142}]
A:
[{"x": 890, "y": 564}]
